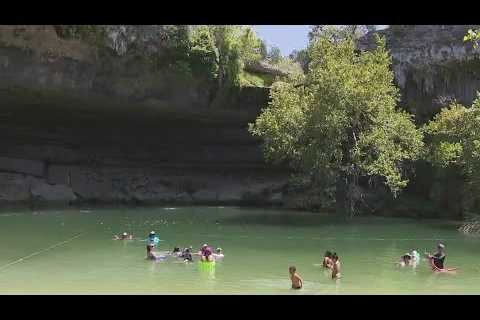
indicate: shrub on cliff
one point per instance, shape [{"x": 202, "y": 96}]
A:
[
  {"x": 339, "y": 123},
  {"x": 223, "y": 50},
  {"x": 454, "y": 141}
]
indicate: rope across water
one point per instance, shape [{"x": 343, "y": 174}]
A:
[{"x": 41, "y": 251}]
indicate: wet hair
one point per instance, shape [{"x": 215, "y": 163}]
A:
[
  {"x": 407, "y": 257},
  {"x": 334, "y": 256},
  {"x": 328, "y": 254},
  {"x": 176, "y": 249},
  {"x": 292, "y": 269}
]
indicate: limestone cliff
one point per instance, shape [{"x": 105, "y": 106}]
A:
[
  {"x": 433, "y": 65},
  {"x": 83, "y": 121}
]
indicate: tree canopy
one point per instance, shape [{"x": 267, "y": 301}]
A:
[
  {"x": 339, "y": 122},
  {"x": 454, "y": 141},
  {"x": 224, "y": 50}
]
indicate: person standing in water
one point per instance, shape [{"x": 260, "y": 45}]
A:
[
  {"x": 336, "y": 266},
  {"x": 207, "y": 255},
  {"x": 151, "y": 255},
  {"x": 152, "y": 238},
  {"x": 438, "y": 259},
  {"x": 327, "y": 260},
  {"x": 297, "y": 281}
]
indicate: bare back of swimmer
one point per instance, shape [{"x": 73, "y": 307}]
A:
[{"x": 336, "y": 268}]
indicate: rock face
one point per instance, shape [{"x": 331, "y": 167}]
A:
[
  {"x": 433, "y": 65},
  {"x": 78, "y": 125},
  {"x": 266, "y": 68}
]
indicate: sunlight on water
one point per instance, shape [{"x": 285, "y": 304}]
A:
[{"x": 72, "y": 251}]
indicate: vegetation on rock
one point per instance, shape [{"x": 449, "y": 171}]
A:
[{"x": 454, "y": 141}]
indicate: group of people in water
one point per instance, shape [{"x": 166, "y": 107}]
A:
[
  {"x": 331, "y": 262},
  {"x": 206, "y": 252},
  {"x": 436, "y": 260}
]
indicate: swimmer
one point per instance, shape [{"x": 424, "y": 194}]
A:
[
  {"x": 336, "y": 266},
  {"x": 187, "y": 255},
  {"x": 438, "y": 259},
  {"x": 327, "y": 260},
  {"x": 124, "y": 236},
  {"x": 415, "y": 258},
  {"x": 207, "y": 255},
  {"x": 176, "y": 252},
  {"x": 151, "y": 255},
  {"x": 297, "y": 281},
  {"x": 405, "y": 260},
  {"x": 151, "y": 237},
  {"x": 218, "y": 254},
  {"x": 202, "y": 250}
]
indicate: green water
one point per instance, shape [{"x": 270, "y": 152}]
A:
[{"x": 259, "y": 245}]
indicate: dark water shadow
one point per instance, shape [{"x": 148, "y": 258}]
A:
[{"x": 299, "y": 219}]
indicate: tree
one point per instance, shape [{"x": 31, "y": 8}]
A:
[
  {"x": 227, "y": 48},
  {"x": 301, "y": 57},
  {"x": 274, "y": 55},
  {"x": 339, "y": 123},
  {"x": 338, "y": 32},
  {"x": 473, "y": 36},
  {"x": 454, "y": 141}
]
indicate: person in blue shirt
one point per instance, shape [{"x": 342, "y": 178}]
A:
[{"x": 152, "y": 238}]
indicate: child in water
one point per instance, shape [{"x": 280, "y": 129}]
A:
[
  {"x": 219, "y": 254},
  {"x": 187, "y": 255},
  {"x": 327, "y": 260},
  {"x": 297, "y": 281},
  {"x": 335, "y": 266},
  {"x": 405, "y": 260}
]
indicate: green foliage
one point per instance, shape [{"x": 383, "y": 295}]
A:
[
  {"x": 454, "y": 136},
  {"x": 223, "y": 50},
  {"x": 249, "y": 79},
  {"x": 473, "y": 36},
  {"x": 94, "y": 34},
  {"x": 302, "y": 58},
  {"x": 340, "y": 121},
  {"x": 337, "y": 33},
  {"x": 274, "y": 55},
  {"x": 289, "y": 66}
]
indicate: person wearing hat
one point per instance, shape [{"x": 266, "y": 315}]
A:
[
  {"x": 438, "y": 259},
  {"x": 152, "y": 238},
  {"x": 207, "y": 255}
]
